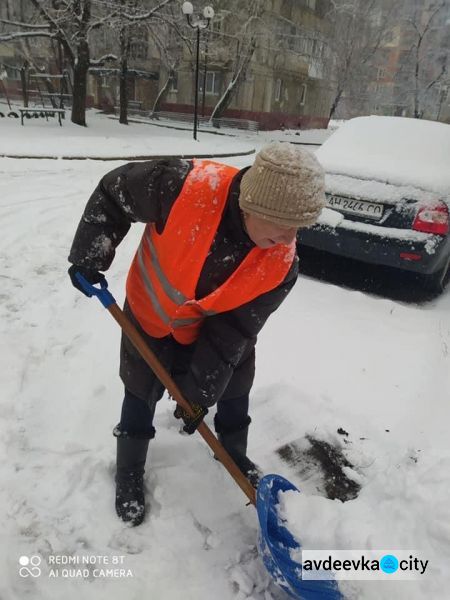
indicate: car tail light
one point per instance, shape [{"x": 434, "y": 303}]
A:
[
  {"x": 410, "y": 256},
  {"x": 432, "y": 219}
]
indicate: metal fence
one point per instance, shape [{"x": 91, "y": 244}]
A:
[{"x": 204, "y": 121}]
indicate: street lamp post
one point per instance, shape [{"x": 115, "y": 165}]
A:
[
  {"x": 204, "y": 75},
  {"x": 197, "y": 23}
]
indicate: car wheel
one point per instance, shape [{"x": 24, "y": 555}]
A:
[{"x": 437, "y": 281}]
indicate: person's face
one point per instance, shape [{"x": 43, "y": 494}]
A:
[{"x": 265, "y": 234}]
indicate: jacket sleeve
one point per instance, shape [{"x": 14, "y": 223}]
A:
[
  {"x": 136, "y": 192},
  {"x": 226, "y": 338}
]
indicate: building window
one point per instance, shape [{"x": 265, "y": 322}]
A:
[
  {"x": 131, "y": 88},
  {"x": 104, "y": 81},
  {"x": 12, "y": 73},
  {"x": 292, "y": 37},
  {"x": 174, "y": 83},
  {"x": 277, "y": 90},
  {"x": 311, "y": 4},
  {"x": 381, "y": 73},
  {"x": 317, "y": 48},
  {"x": 213, "y": 83},
  {"x": 138, "y": 50},
  {"x": 306, "y": 46},
  {"x": 303, "y": 89},
  {"x": 217, "y": 23}
]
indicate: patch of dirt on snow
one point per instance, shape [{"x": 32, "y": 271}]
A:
[{"x": 315, "y": 459}]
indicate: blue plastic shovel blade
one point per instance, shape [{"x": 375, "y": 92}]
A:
[{"x": 276, "y": 544}]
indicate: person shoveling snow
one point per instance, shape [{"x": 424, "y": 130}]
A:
[{"x": 217, "y": 257}]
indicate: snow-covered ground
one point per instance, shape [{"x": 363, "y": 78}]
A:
[
  {"x": 329, "y": 358},
  {"x": 105, "y": 138}
]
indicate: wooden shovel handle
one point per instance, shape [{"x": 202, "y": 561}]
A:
[{"x": 139, "y": 343}]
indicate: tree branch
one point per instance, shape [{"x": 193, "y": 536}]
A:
[
  {"x": 99, "y": 61},
  {"x": 24, "y": 25},
  {"x": 437, "y": 79},
  {"x": 102, "y": 21},
  {"x": 7, "y": 37},
  {"x": 149, "y": 14},
  {"x": 427, "y": 26},
  {"x": 59, "y": 33}
]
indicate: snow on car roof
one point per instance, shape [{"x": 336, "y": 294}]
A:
[{"x": 395, "y": 150}]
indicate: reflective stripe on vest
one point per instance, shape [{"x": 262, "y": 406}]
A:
[
  {"x": 164, "y": 274},
  {"x": 175, "y": 295}
]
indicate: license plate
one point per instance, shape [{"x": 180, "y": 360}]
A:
[{"x": 369, "y": 210}]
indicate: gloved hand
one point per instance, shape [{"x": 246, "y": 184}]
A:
[
  {"x": 191, "y": 423},
  {"x": 91, "y": 275}
]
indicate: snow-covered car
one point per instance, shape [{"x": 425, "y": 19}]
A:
[{"x": 388, "y": 195}]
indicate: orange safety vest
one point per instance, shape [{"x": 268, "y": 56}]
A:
[{"x": 165, "y": 271}]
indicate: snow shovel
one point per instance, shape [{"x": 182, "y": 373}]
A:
[{"x": 275, "y": 542}]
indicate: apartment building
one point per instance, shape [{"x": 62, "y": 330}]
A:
[{"x": 284, "y": 84}]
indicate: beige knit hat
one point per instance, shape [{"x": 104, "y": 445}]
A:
[{"x": 285, "y": 185}]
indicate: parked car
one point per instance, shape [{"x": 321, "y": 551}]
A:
[{"x": 388, "y": 195}]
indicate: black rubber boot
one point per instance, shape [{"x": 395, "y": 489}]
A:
[
  {"x": 235, "y": 443},
  {"x": 131, "y": 456}
]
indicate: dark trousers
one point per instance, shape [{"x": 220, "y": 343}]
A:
[
  {"x": 137, "y": 415},
  {"x": 143, "y": 389}
]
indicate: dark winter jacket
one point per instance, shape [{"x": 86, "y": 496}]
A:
[{"x": 221, "y": 362}]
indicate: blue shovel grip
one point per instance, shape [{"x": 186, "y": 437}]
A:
[{"x": 102, "y": 293}]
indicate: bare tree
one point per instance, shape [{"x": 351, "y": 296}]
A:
[
  {"x": 424, "y": 69},
  {"x": 69, "y": 22},
  {"x": 138, "y": 17},
  {"x": 72, "y": 23},
  {"x": 169, "y": 43},
  {"x": 359, "y": 28},
  {"x": 244, "y": 37},
  {"x": 125, "y": 33},
  {"x": 135, "y": 19}
]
